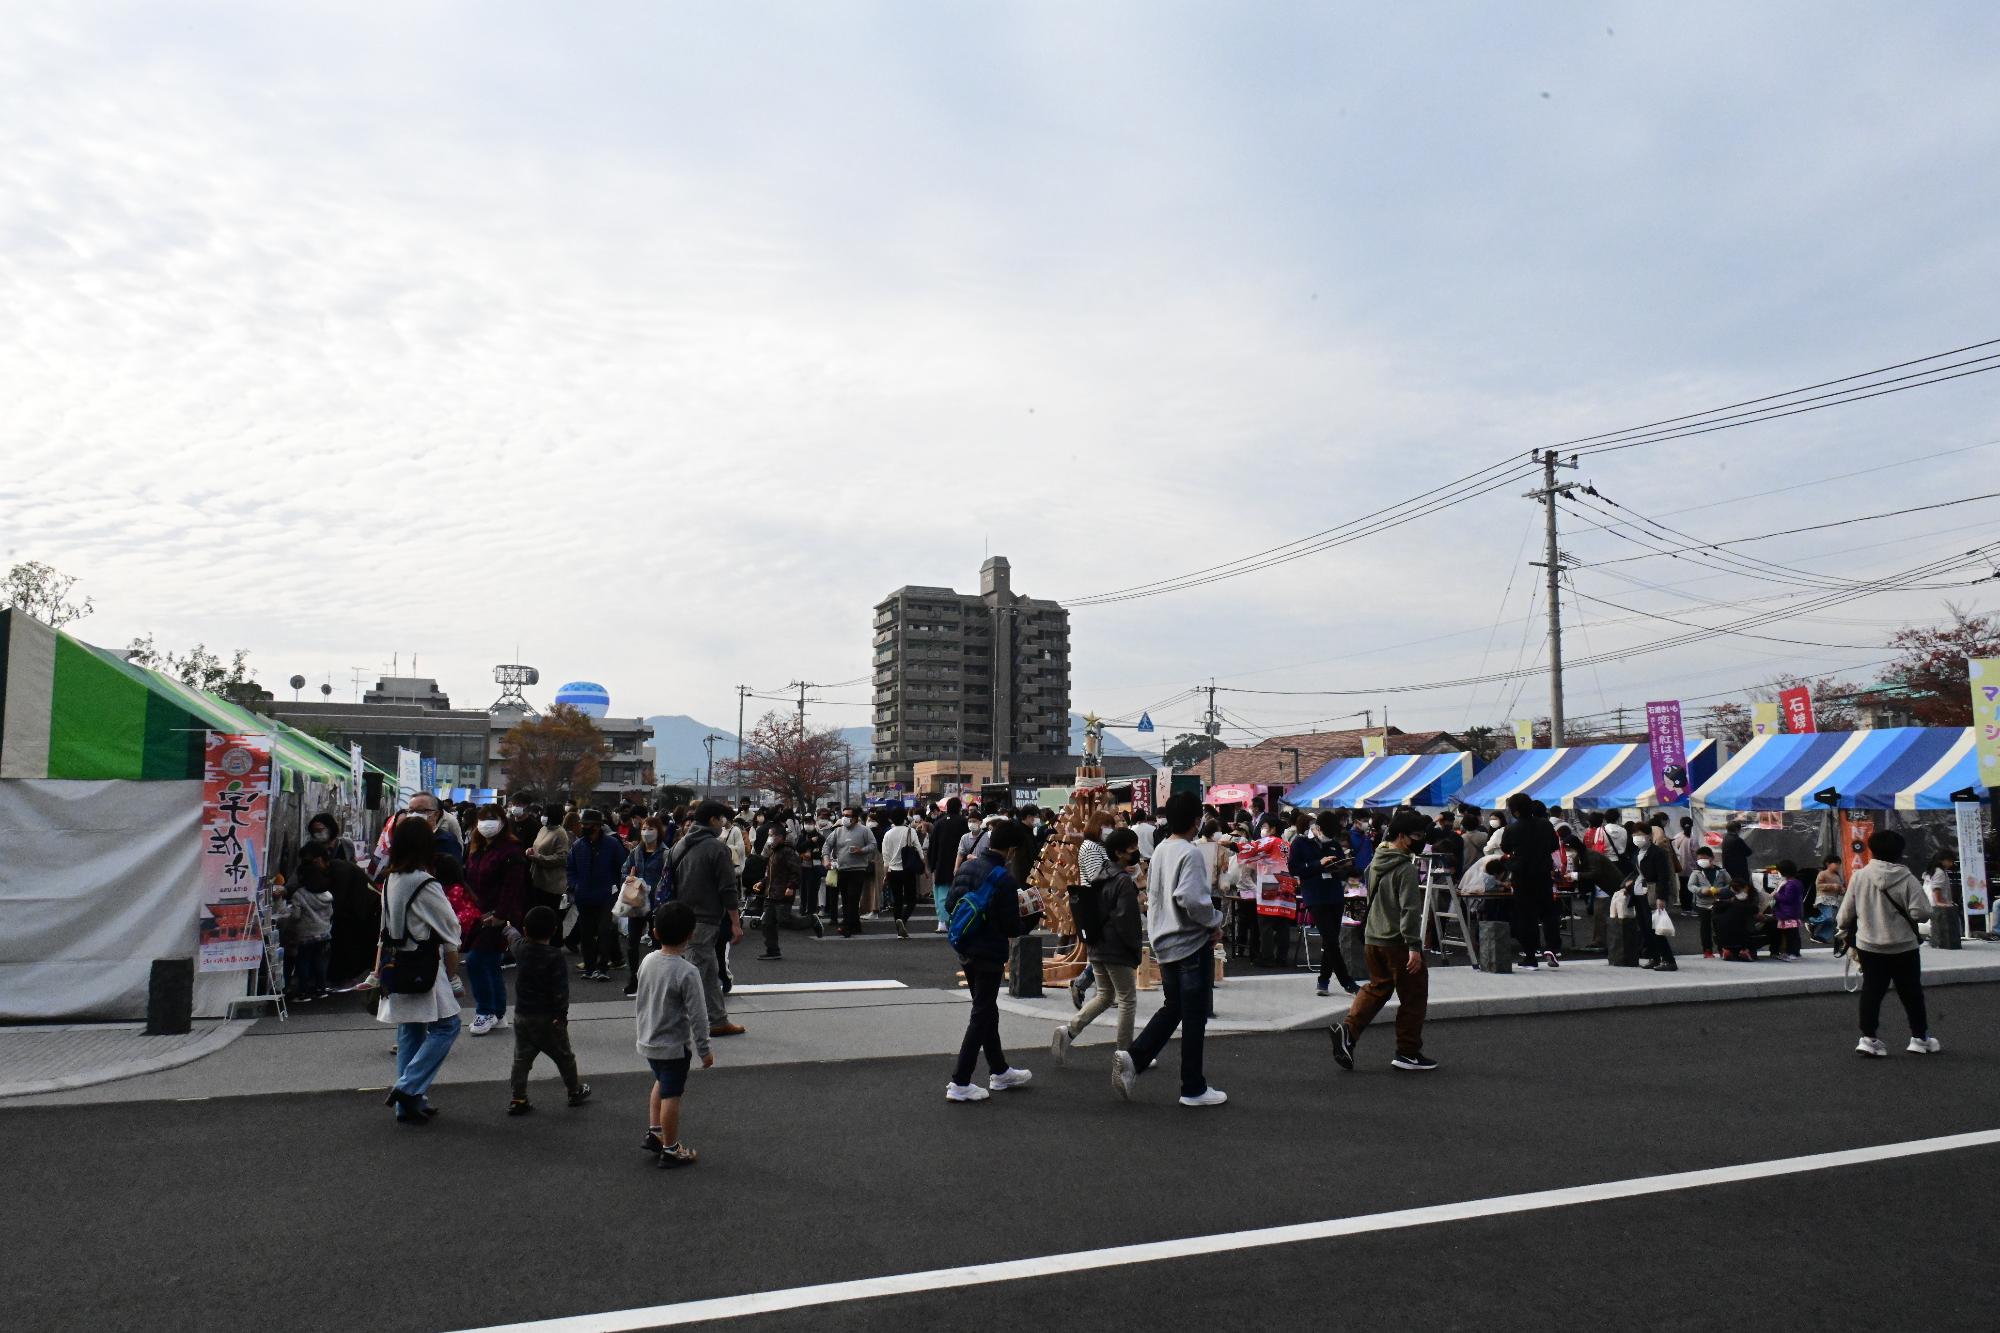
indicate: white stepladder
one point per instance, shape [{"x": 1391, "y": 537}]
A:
[
  {"x": 272, "y": 970},
  {"x": 1444, "y": 911}
]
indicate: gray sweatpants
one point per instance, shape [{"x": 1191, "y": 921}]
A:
[{"x": 704, "y": 951}]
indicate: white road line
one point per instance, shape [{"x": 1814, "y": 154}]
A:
[
  {"x": 803, "y": 987},
  {"x": 1013, "y": 1270}
]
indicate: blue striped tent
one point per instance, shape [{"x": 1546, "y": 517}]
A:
[
  {"x": 1383, "y": 781},
  {"x": 1894, "y": 768},
  {"x": 1583, "y": 777}
]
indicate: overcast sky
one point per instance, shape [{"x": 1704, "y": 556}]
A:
[{"x": 652, "y": 344}]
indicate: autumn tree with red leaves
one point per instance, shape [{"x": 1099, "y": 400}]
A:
[
  {"x": 559, "y": 752},
  {"x": 798, "y": 762},
  {"x": 1930, "y": 664}
]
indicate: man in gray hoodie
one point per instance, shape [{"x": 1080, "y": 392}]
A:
[
  {"x": 850, "y": 850},
  {"x": 1395, "y": 950},
  {"x": 1182, "y": 919},
  {"x": 704, "y": 875}
]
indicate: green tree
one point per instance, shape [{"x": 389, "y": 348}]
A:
[
  {"x": 1189, "y": 750},
  {"x": 198, "y": 667},
  {"x": 43, "y": 591}
]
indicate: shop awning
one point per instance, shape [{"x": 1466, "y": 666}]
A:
[
  {"x": 1234, "y": 793},
  {"x": 1894, "y": 768},
  {"x": 1382, "y": 781},
  {"x": 1582, "y": 777}
]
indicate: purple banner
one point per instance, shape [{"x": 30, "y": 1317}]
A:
[{"x": 1669, "y": 747}]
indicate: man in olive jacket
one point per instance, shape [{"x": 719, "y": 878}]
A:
[{"x": 1395, "y": 950}]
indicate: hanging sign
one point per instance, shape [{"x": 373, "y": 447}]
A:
[
  {"x": 1764, "y": 719},
  {"x": 1798, "y": 710},
  {"x": 235, "y": 824},
  {"x": 1669, "y": 750},
  {"x": 1374, "y": 747},
  {"x": 409, "y": 776},
  {"x": 1984, "y": 675},
  {"x": 1524, "y": 733}
]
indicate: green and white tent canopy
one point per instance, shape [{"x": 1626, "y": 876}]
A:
[{"x": 70, "y": 710}]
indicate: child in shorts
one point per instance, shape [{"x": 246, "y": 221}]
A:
[{"x": 673, "y": 1025}]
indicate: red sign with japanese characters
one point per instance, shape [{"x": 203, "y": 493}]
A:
[
  {"x": 1798, "y": 710},
  {"x": 235, "y": 821}
]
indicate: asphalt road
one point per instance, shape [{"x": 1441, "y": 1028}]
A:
[{"x": 299, "y": 1208}]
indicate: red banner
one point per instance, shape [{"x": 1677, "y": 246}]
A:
[
  {"x": 1796, "y": 704},
  {"x": 235, "y": 823}
]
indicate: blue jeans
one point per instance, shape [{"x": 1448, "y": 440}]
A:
[
  {"x": 487, "y": 982},
  {"x": 420, "y": 1052},
  {"x": 1187, "y": 992}
]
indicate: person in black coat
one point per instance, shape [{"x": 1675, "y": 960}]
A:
[
  {"x": 1318, "y": 860},
  {"x": 983, "y": 953},
  {"x": 1530, "y": 845}
]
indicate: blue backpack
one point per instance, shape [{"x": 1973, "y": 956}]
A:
[{"x": 968, "y": 914}]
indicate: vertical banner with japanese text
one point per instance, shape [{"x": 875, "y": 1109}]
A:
[
  {"x": 1764, "y": 718},
  {"x": 1669, "y": 750},
  {"x": 427, "y": 767},
  {"x": 235, "y": 824},
  {"x": 1524, "y": 733},
  {"x": 1798, "y": 710},
  {"x": 409, "y": 776},
  {"x": 1374, "y": 747},
  {"x": 1972, "y": 861},
  {"x": 1984, "y": 676},
  {"x": 1142, "y": 795}
]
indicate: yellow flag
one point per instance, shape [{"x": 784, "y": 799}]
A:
[
  {"x": 1374, "y": 747},
  {"x": 1524, "y": 733},
  {"x": 1984, "y": 673},
  {"x": 1764, "y": 718}
]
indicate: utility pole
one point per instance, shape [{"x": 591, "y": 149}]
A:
[
  {"x": 1552, "y": 563},
  {"x": 847, "y": 776},
  {"x": 1212, "y": 728},
  {"x": 708, "y": 783},
  {"x": 742, "y": 691}
]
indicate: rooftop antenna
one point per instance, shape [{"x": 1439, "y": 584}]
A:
[
  {"x": 510, "y": 678},
  {"x": 357, "y": 683}
]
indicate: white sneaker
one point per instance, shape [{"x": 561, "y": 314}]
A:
[
  {"x": 1213, "y": 1097},
  {"x": 939, "y": 930},
  {"x": 1059, "y": 1043},
  {"x": 965, "y": 1092},
  {"x": 1870, "y": 1046},
  {"x": 1012, "y": 1078},
  {"x": 1124, "y": 1074},
  {"x": 499, "y": 1022},
  {"x": 481, "y": 1025},
  {"x": 1925, "y": 1046}
]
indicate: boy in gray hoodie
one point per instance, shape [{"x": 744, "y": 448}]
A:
[
  {"x": 1182, "y": 919},
  {"x": 1879, "y": 916},
  {"x": 1395, "y": 950}
]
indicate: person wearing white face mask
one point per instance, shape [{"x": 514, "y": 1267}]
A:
[
  {"x": 850, "y": 850},
  {"x": 647, "y": 861},
  {"x": 496, "y": 875},
  {"x": 325, "y": 829}
]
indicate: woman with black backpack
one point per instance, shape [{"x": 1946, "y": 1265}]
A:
[
  {"x": 418, "y": 968},
  {"x": 1107, "y": 914}
]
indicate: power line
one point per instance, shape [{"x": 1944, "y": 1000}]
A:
[{"x": 1793, "y": 532}]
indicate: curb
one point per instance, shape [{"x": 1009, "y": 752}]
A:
[{"x": 206, "y": 1043}]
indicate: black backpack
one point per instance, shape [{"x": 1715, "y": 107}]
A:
[{"x": 1086, "y": 908}]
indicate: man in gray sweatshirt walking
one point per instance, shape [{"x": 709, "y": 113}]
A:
[
  {"x": 1182, "y": 920},
  {"x": 1395, "y": 950}
]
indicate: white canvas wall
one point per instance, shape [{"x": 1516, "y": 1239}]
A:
[{"x": 97, "y": 879}]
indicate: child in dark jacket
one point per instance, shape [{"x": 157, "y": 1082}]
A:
[
  {"x": 983, "y": 952},
  {"x": 1789, "y": 911},
  {"x": 1117, "y": 943},
  {"x": 541, "y": 1010}
]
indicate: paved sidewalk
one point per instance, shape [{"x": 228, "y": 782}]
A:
[
  {"x": 1278, "y": 1004},
  {"x": 80, "y": 1055}
]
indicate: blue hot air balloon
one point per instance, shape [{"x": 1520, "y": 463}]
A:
[{"x": 587, "y": 697}]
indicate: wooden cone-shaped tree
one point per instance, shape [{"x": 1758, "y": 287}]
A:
[{"x": 1055, "y": 873}]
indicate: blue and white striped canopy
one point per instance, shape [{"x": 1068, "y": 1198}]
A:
[
  {"x": 1582, "y": 777},
  {"x": 1382, "y": 781},
  {"x": 1894, "y": 768}
]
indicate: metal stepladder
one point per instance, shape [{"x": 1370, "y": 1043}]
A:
[
  {"x": 1444, "y": 911},
  {"x": 272, "y": 969}
]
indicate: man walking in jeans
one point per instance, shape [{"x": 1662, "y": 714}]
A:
[
  {"x": 1182, "y": 920},
  {"x": 1395, "y": 949}
]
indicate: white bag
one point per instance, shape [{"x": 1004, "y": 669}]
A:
[{"x": 1663, "y": 922}]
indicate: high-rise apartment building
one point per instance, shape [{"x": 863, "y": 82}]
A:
[{"x": 957, "y": 676}]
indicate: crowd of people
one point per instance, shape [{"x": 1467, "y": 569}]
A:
[{"x": 452, "y": 899}]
